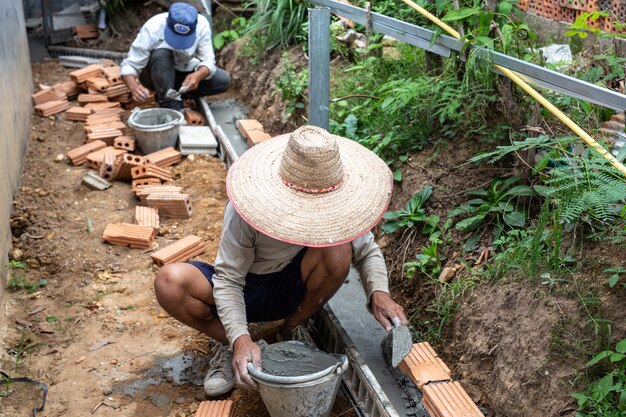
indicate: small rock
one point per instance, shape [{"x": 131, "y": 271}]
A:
[
  {"x": 17, "y": 254},
  {"x": 191, "y": 158},
  {"x": 107, "y": 391},
  {"x": 59, "y": 158},
  {"x": 179, "y": 400},
  {"x": 199, "y": 397},
  {"x": 113, "y": 361},
  {"x": 81, "y": 359},
  {"x": 33, "y": 263},
  {"x": 42, "y": 193}
]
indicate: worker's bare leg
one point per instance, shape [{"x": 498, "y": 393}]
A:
[
  {"x": 323, "y": 271},
  {"x": 184, "y": 292}
]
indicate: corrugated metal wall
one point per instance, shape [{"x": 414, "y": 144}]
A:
[{"x": 15, "y": 111}]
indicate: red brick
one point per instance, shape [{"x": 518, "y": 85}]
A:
[
  {"x": 81, "y": 75},
  {"x": 106, "y": 135},
  {"x": 93, "y": 128},
  {"x": 112, "y": 74},
  {"x": 124, "y": 166},
  {"x": 449, "y": 399},
  {"x": 150, "y": 171},
  {"x": 95, "y": 158},
  {"x": 99, "y": 84},
  {"x": 215, "y": 408},
  {"x": 165, "y": 157},
  {"x": 77, "y": 114},
  {"x": 143, "y": 192},
  {"x": 78, "y": 155},
  {"x": 124, "y": 142},
  {"x": 194, "y": 118},
  {"x": 71, "y": 88},
  {"x": 46, "y": 95},
  {"x": 131, "y": 235},
  {"x": 422, "y": 365},
  {"x": 87, "y": 31},
  {"x": 109, "y": 105},
  {"x": 147, "y": 216},
  {"x": 177, "y": 206},
  {"x": 180, "y": 251},
  {"x": 252, "y": 130},
  {"x": 107, "y": 165},
  {"x": 51, "y": 107},
  {"x": 138, "y": 185},
  {"x": 92, "y": 98},
  {"x": 117, "y": 91}
]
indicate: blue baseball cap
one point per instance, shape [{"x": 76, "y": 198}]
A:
[{"x": 180, "y": 31}]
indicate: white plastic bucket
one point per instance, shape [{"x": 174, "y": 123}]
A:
[
  {"x": 156, "y": 129},
  {"x": 311, "y": 395}
]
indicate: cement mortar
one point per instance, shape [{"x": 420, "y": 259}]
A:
[
  {"x": 291, "y": 359},
  {"x": 154, "y": 119}
]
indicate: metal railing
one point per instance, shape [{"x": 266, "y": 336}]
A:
[{"x": 319, "y": 47}]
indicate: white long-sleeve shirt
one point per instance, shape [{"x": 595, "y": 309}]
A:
[
  {"x": 244, "y": 249},
  {"x": 151, "y": 36}
]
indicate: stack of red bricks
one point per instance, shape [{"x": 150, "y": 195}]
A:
[
  {"x": 570, "y": 10},
  {"x": 441, "y": 396},
  {"x": 85, "y": 32}
]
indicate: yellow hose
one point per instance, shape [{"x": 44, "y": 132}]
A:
[{"x": 517, "y": 80}]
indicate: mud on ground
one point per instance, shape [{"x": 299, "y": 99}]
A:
[{"x": 94, "y": 332}]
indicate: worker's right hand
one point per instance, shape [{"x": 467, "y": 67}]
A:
[
  {"x": 139, "y": 92},
  {"x": 245, "y": 351}
]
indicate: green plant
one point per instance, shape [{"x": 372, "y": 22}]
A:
[
  {"x": 429, "y": 261},
  {"x": 18, "y": 279},
  {"x": 580, "y": 27},
  {"x": 292, "y": 85},
  {"x": 277, "y": 22},
  {"x": 223, "y": 38},
  {"x": 495, "y": 205},
  {"x": 613, "y": 279},
  {"x": 606, "y": 396},
  {"x": 412, "y": 215}
]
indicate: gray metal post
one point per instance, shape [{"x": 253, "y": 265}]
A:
[
  {"x": 319, "y": 66},
  {"x": 48, "y": 26}
]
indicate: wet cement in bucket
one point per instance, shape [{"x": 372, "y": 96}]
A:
[
  {"x": 154, "y": 118},
  {"x": 291, "y": 359}
]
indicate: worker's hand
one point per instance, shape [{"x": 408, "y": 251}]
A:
[
  {"x": 387, "y": 312},
  {"x": 245, "y": 351},
  {"x": 140, "y": 93},
  {"x": 191, "y": 81}
]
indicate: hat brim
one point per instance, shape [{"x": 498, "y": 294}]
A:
[
  {"x": 257, "y": 192},
  {"x": 177, "y": 41}
]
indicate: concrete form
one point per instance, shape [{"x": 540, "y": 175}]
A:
[{"x": 197, "y": 140}]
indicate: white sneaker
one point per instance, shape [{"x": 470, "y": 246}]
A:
[
  {"x": 220, "y": 378},
  {"x": 300, "y": 333}
]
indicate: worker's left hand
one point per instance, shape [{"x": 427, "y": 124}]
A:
[
  {"x": 387, "y": 312},
  {"x": 192, "y": 81}
]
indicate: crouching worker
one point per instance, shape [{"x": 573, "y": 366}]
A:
[
  {"x": 173, "y": 52},
  {"x": 301, "y": 209}
]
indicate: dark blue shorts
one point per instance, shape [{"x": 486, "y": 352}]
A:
[{"x": 268, "y": 297}]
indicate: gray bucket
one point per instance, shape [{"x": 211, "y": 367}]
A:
[
  {"x": 155, "y": 129},
  {"x": 310, "y": 395}
]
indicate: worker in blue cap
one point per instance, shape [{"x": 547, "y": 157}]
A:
[{"x": 173, "y": 52}]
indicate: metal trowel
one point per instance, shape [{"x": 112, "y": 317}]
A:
[
  {"x": 397, "y": 344},
  {"x": 176, "y": 95}
]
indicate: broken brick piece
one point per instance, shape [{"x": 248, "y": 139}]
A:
[
  {"x": 180, "y": 251},
  {"x": 81, "y": 75},
  {"x": 144, "y": 182},
  {"x": 147, "y": 216},
  {"x": 422, "y": 365},
  {"x": 95, "y": 158},
  {"x": 131, "y": 235},
  {"x": 124, "y": 142},
  {"x": 107, "y": 165},
  {"x": 252, "y": 130},
  {"x": 79, "y": 155},
  {"x": 165, "y": 157},
  {"x": 150, "y": 171},
  {"x": 449, "y": 399},
  {"x": 176, "y": 206},
  {"x": 215, "y": 408},
  {"x": 193, "y": 117}
]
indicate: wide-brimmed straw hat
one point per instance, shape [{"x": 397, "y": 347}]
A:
[{"x": 310, "y": 188}]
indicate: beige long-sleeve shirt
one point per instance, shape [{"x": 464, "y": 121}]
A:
[{"x": 243, "y": 249}]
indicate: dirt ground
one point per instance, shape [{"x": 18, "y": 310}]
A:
[{"x": 94, "y": 332}]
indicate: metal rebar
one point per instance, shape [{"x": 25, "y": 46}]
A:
[{"x": 319, "y": 67}]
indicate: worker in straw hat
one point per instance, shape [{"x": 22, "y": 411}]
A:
[
  {"x": 173, "y": 54},
  {"x": 301, "y": 209}
]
